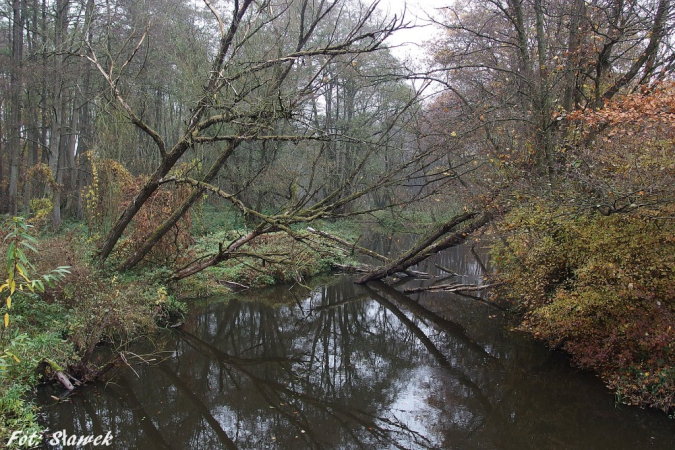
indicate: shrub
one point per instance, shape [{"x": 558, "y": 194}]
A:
[
  {"x": 600, "y": 287},
  {"x": 35, "y": 332}
]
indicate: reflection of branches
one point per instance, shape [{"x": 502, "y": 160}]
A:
[
  {"x": 197, "y": 402},
  {"x": 456, "y": 330},
  {"x": 431, "y": 347},
  {"x": 95, "y": 426},
  {"x": 478, "y": 260},
  {"x": 276, "y": 393},
  {"x": 125, "y": 392},
  {"x": 339, "y": 303},
  {"x": 352, "y": 299},
  {"x": 215, "y": 353}
]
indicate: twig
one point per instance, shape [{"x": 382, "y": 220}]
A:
[{"x": 446, "y": 270}]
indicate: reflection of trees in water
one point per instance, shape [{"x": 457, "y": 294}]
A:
[
  {"x": 247, "y": 375},
  {"x": 347, "y": 367}
]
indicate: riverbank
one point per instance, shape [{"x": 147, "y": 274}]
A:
[
  {"x": 578, "y": 281},
  {"x": 52, "y": 334},
  {"x": 56, "y": 331},
  {"x": 599, "y": 287},
  {"x": 343, "y": 365}
]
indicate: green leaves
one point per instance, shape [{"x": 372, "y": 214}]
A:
[{"x": 19, "y": 267}]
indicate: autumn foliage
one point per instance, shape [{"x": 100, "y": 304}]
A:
[
  {"x": 112, "y": 189},
  {"x": 600, "y": 287},
  {"x": 621, "y": 156},
  {"x": 591, "y": 265}
]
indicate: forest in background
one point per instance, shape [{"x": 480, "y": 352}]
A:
[{"x": 551, "y": 122}]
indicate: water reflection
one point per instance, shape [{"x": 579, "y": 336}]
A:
[{"x": 348, "y": 367}]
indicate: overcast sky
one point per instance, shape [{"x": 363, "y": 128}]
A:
[{"x": 417, "y": 12}]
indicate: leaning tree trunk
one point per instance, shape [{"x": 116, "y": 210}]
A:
[
  {"x": 139, "y": 200},
  {"x": 170, "y": 159},
  {"x": 428, "y": 248},
  {"x": 179, "y": 212}
]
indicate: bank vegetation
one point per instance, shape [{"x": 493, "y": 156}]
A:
[{"x": 172, "y": 148}]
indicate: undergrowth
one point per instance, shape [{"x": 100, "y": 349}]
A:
[
  {"x": 600, "y": 287},
  {"x": 61, "y": 326},
  {"x": 282, "y": 259},
  {"x": 36, "y": 334}
]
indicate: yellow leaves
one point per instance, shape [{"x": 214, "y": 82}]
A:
[
  {"x": 161, "y": 295},
  {"x": 9, "y": 302},
  {"x": 6, "y": 320},
  {"x": 591, "y": 280},
  {"x": 22, "y": 273}
]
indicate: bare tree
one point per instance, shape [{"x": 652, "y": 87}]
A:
[
  {"x": 516, "y": 67},
  {"x": 262, "y": 92}
]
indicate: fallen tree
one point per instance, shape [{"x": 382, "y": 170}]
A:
[
  {"x": 452, "y": 287},
  {"x": 431, "y": 245}
]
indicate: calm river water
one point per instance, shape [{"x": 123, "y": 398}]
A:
[{"x": 344, "y": 367}]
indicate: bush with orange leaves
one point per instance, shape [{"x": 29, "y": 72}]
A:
[{"x": 621, "y": 157}]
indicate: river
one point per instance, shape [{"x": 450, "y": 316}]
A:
[{"x": 343, "y": 366}]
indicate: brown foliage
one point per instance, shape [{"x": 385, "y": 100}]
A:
[
  {"x": 601, "y": 288},
  {"x": 158, "y": 207},
  {"x": 623, "y": 153},
  {"x": 113, "y": 188}
]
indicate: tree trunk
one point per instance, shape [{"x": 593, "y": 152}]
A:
[
  {"x": 139, "y": 200},
  {"x": 179, "y": 212},
  {"x": 570, "y": 96},
  {"x": 168, "y": 160},
  {"x": 16, "y": 89},
  {"x": 427, "y": 247},
  {"x": 72, "y": 193},
  {"x": 656, "y": 35},
  {"x": 55, "y": 155},
  {"x": 543, "y": 103},
  {"x": 60, "y": 107}
]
